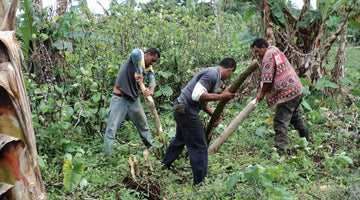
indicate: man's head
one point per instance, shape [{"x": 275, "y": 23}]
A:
[
  {"x": 259, "y": 46},
  {"x": 227, "y": 68},
  {"x": 151, "y": 56}
]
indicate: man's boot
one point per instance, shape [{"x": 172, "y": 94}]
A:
[{"x": 304, "y": 133}]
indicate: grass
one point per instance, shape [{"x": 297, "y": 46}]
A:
[{"x": 245, "y": 167}]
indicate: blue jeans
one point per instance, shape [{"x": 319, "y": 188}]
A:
[
  {"x": 119, "y": 108},
  {"x": 189, "y": 132}
]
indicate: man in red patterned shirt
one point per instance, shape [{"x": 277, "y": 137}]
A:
[{"x": 283, "y": 90}]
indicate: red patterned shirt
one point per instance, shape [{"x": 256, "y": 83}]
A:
[{"x": 285, "y": 83}]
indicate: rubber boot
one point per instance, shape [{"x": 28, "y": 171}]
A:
[{"x": 304, "y": 133}]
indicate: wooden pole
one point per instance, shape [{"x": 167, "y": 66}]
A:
[
  {"x": 232, "y": 127},
  {"x": 154, "y": 115},
  {"x": 233, "y": 88}
]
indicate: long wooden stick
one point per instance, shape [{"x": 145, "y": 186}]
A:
[
  {"x": 233, "y": 88},
  {"x": 154, "y": 115},
  {"x": 232, "y": 127}
]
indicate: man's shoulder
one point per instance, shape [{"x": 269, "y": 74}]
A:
[
  {"x": 212, "y": 70},
  {"x": 273, "y": 49},
  {"x": 270, "y": 52}
]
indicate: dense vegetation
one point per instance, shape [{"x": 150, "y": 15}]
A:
[{"x": 70, "y": 104}]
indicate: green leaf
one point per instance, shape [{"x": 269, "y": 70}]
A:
[
  {"x": 83, "y": 183},
  {"x": 249, "y": 13},
  {"x": 70, "y": 149},
  {"x": 43, "y": 107},
  {"x": 306, "y": 105},
  {"x": 356, "y": 91},
  {"x": 165, "y": 74},
  {"x": 320, "y": 84},
  {"x": 102, "y": 113},
  {"x": 157, "y": 93},
  {"x": 331, "y": 84},
  {"x": 316, "y": 117},
  {"x": 171, "y": 134},
  {"x": 65, "y": 125},
  {"x": 167, "y": 91},
  {"x": 38, "y": 91},
  {"x": 94, "y": 87},
  {"x": 62, "y": 45},
  {"x": 260, "y": 132},
  {"x": 233, "y": 180},
  {"x": 346, "y": 81},
  {"x": 303, "y": 142},
  {"x": 157, "y": 144},
  {"x": 41, "y": 162},
  {"x": 306, "y": 91},
  {"x": 58, "y": 89},
  {"x": 66, "y": 113},
  {"x": 275, "y": 171},
  {"x": 343, "y": 160},
  {"x": 96, "y": 97},
  {"x": 72, "y": 174},
  {"x": 251, "y": 173},
  {"x": 306, "y": 82},
  {"x": 44, "y": 36}
]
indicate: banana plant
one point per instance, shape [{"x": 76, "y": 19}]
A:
[{"x": 20, "y": 176}]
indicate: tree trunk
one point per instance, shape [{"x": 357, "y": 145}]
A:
[
  {"x": 266, "y": 16},
  {"x": 339, "y": 70},
  {"x": 61, "y": 7},
  {"x": 154, "y": 115},
  {"x": 218, "y": 13},
  {"x": 304, "y": 45},
  {"x": 232, "y": 127},
  {"x": 233, "y": 88},
  {"x": 20, "y": 176}
]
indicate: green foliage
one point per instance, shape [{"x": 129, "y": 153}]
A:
[
  {"x": 339, "y": 161},
  {"x": 276, "y": 9},
  {"x": 325, "y": 82},
  {"x": 309, "y": 18},
  {"x": 70, "y": 109},
  {"x": 72, "y": 174},
  {"x": 328, "y": 6},
  {"x": 261, "y": 177}
]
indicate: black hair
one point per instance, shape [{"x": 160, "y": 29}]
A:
[
  {"x": 228, "y": 63},
  {"x": 259, "y": 43},
  {"x": 153, "y": 51}
]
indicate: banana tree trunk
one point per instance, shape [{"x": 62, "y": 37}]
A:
[
  {"x": 20, "y": 176},
  {"x": 233, "y": 88},
  {"x": 232, "y": 127},
  {"x": 154, "y": 115}
]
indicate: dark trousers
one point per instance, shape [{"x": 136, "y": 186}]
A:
[
  {"x": 287, "y": 113},
  {"x": 189, "y": 132}
]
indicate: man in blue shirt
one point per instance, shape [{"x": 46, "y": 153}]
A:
[
  {"x": 125, "y": 100},
  {"x": 189, "y": 128}
]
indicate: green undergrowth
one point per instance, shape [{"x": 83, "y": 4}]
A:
[{"x": 245, "y": 167}]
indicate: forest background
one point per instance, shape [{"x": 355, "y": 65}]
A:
[{"x": 71, "y": 61}]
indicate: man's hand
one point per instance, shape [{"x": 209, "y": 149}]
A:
[
  {"x": 218, "y": 121},
  {"x": 261, "y": 94},
  {"x": 259, "y": 97},
  {"x": 147, "y": 92},
  {"x": 139, "y": 77},
  {"x": 226, "y": 95}
]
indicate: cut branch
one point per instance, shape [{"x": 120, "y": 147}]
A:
[
  {"x": 232, "y": 127},
  {"x": 154, "y": 115}
]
